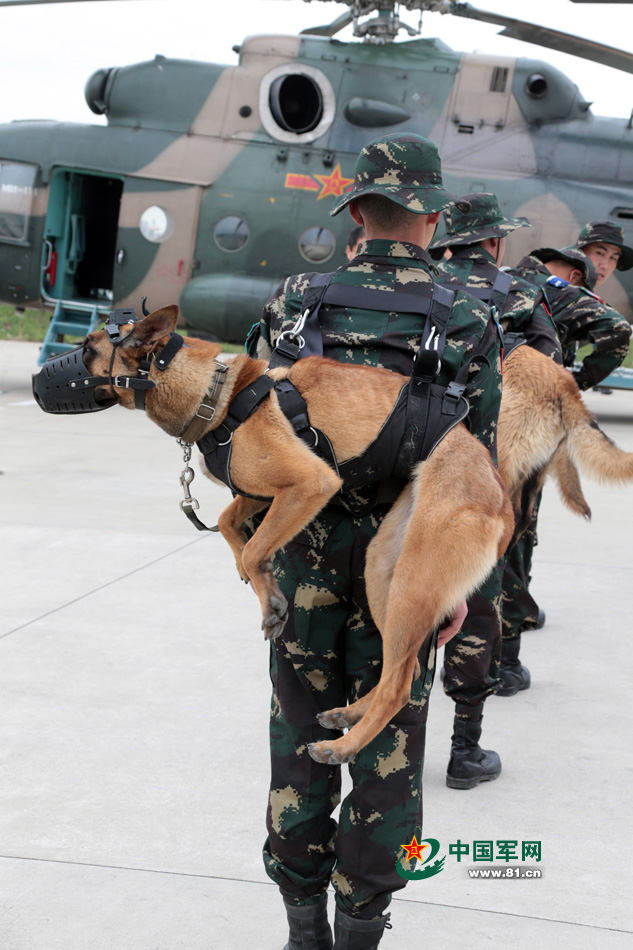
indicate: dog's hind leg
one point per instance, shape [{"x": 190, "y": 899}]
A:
[
  {"x": 231, "y": 523},
  {"x": 461, "y": 520},
  {"x": 380, "y": 564}
]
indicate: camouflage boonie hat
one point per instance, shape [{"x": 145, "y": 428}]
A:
[
  {"x": 573, "y": 256},
  {"x": 405, "y": 168},
  {"x": 484, "y": 220},
  {"x": 606, "y": 232}
]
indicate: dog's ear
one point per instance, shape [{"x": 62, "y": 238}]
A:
[{"x": 156, "y": 326}]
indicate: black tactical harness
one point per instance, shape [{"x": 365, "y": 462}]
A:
[
  {"x": 495, "y": 297},
  {"x": 423, "y": 414}
]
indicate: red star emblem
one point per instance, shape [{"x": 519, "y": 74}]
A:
[
  {"x": 414, "y": 850},
  {"x": 333, "y": 184}
]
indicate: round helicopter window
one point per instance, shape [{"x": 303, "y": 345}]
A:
[
  {"x": 156, "y": 224},
  {"x": 536, "y": 86},
  {"x": 231, "y": 233},
  {"x": 317, "y": 245},
  {"x": 296, "y": 103}
]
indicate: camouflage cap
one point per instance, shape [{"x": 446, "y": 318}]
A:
[
  {"x": 606, "y": 232},
  {"x": 573, "y": 256},
  {"x": 483, "y": 220},
  {"x": 405, "y": 168}
]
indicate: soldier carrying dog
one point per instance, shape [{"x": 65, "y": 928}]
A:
[
  {"x": 330, "y": 651},
  {"x": 567, "y": 277},
  {"x": 473, "y": 663}
]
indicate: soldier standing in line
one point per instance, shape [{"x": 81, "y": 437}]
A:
[
  {"x": 603, "y": 243},
  {"x": 579, "y": 314},
  {"x": 330, "y": 651},
  {"x": 567, "y": 278},
  {"x": 477, "y": 240}
]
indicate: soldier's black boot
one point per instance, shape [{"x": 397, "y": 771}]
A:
[
  {"x": 309, "y": 927},
  {"x": 513, "y": 676},
  {"x": 469, "y": 764},
  {"x": 352, "y": 933}
]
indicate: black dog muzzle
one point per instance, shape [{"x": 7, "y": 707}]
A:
[{"x": 65, "y": 385}]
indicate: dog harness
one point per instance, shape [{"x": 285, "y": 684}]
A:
[{"x": 423, "y": 414}]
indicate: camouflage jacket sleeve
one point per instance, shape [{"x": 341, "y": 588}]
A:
[
  {"x": 484, "y": 379},
  {"x": 259, "y": 343},
  {"x": 525, "y": 312},
  {"x": 582, "y": 317}
]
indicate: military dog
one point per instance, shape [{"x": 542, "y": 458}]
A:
[
  {"x": 443, "y": 535},
  {"x": 438, "y": 543},
  {"x": 545, "y": 428}
]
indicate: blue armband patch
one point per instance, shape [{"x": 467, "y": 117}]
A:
[{"x": 557, "y": 281}]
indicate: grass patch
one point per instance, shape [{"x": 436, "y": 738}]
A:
[
  {"x": 31, "y": 327},
  {"x": 33, "y": 324}
]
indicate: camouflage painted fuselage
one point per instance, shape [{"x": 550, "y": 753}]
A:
[{"x": 243, "y": 163}]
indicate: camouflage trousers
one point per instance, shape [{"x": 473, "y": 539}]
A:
[
  {"x": 520, "y": 610},
  {"x": 330, "y": 653},
  {"x": 471, "y": 658}
]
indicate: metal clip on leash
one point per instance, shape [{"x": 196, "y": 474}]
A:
[{"x": 189, "y": 504}]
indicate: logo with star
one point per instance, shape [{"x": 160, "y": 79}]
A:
[
  {"x": 333, "y": 184},
  {"x": 414, "y": 850}
]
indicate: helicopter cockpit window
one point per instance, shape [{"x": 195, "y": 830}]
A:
[
  {"x": 156, "y": 224},
  {"x": 231, "y": 233},
  {"x": 296, "y": 103},
  {"x": 317, "y": 245},
  {"x": 16, "y": 196}
]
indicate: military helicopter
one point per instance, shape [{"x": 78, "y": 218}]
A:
[{"x": 210, "y": 184}]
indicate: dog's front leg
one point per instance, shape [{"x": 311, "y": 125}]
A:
[
  {"x": 231, "y": 523},
  {"x": 291, "y": 510}
]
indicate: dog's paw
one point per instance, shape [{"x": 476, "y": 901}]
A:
[
  {"x": 275, "y": 616},
  {"x": 333, "y": 719},
  {"x": 327, "y": 753},
  {"x": 240, "y": 570}
]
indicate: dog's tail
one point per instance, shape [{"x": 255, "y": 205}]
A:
[
  {"x": 567, "y": 478},
  {"x": 588, "y": 449}
]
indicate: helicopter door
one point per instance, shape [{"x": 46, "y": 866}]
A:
[
  {"x": 79, "y": 237},
  {"x": 482, "y": 114},
  {"x": 154, "y": 249}
]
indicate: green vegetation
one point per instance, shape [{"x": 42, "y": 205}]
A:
[{"x": 32, "y": 325}]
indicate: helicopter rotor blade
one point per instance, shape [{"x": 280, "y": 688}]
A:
[
  {"x": 544, "y": 36},
  {"x": 331, "y": 28}
]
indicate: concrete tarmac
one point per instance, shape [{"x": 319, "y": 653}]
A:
[{"x": 134, "y": 701}]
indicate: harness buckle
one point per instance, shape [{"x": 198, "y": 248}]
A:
[
  {"x": 209, "y": 409},
  {"x": 123, "y": 382},
  {"x": 292, "y": 338}
]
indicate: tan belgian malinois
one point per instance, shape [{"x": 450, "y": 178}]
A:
[{"x": 440, "y": 539}]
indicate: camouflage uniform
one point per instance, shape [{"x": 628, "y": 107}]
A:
[
  {"x": 579, "y": 315},
  {"x": 471, "y": 659},
  {"x": 473, "y": 267},
  {"x": 330, "y": 651}
]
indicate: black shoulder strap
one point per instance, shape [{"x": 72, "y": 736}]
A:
[
  {"x": 500, "y": 291},
  {"x": 496, "y": 295}
]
